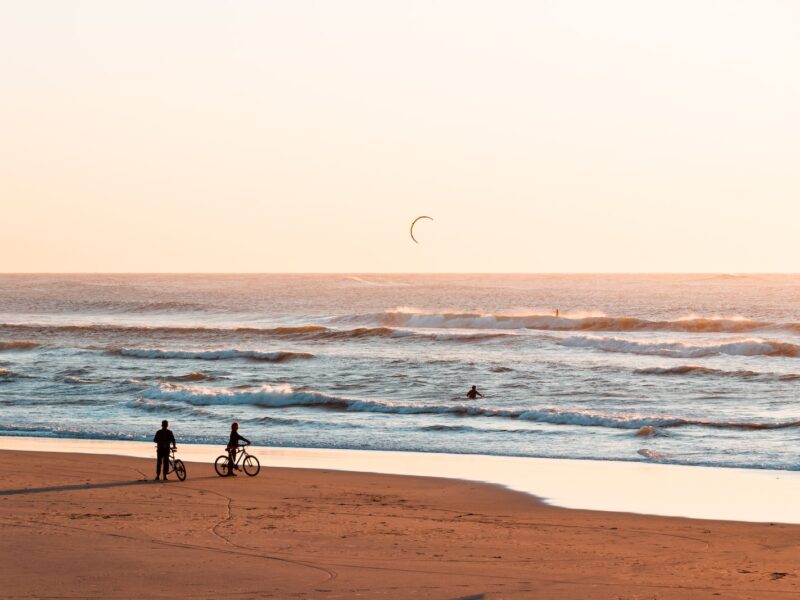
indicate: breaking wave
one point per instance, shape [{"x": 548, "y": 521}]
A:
[
  {"x": 18, "y": 346},
  {"x": 681, "y": 350},
  {"x": 282, "y": 396},
  {"x": 81, "y": 380},
  {"x": 651, "y": 454},
  {"x": 278, "y": 356},
  {"x": 695, "y": 370},
  {"x": 266, "y": 395},
  {"x": 468, "y": 429},
  {"x": 456, "y": 320},
  {"x": 193, "y": 376},
  {"x": 7, "y": 374},
  {"x": 304, "y": 332},
  {"x": 59, "y": 431},
  {"x": 159, "y": 407},
  {"x": 156, "y": 329}
]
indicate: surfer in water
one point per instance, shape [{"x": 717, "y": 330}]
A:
[{"x": 474, "y": 393}]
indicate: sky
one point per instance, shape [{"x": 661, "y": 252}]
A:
[{"x": 304, "y": 136}]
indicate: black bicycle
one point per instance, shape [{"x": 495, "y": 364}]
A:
[
  {"x": 176, "y": 465},
  {"x": 248, "y": 462}
]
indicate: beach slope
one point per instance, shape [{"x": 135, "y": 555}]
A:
[{"x": 76, "y": 525}]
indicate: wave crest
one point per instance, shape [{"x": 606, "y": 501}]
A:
[
  {"x": 282, "y": 396},
  {"x": 278, "y": 356},
  {"x": 7, "y": 374},
  {"x": 303, "y": 332},
  {"x": 544, "y": 322},
  {"x": 651, "y": 454},
  {"x": 695, "y": 370},
  {"x": 40, "y": 329},
  {"x": 22, "y": 345},
  {"x": 193, "y": 376},
  {"x": 682, "y": 350}
]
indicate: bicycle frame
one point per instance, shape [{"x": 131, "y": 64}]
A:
[
  {"x": 243, "y": 461},
  {"x": 241, "y": 452},
  {"x": 171, "y": 460}
]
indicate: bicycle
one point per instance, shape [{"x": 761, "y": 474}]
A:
[
  {"x": 176, "y": 465},
  {"x": 249, "y": 463}
]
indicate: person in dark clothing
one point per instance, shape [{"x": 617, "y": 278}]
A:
[
  {"x": 233, "y": 448},
  {"x": 474, "y": 393},
  {"x": 164, "y": 442}
]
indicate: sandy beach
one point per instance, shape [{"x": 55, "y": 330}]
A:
[{"x": 76, "y": 525}]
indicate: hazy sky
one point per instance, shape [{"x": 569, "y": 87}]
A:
[{"x": 542, "y": 136}]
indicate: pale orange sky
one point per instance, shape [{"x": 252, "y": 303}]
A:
[{"x": 542, "y": 136}]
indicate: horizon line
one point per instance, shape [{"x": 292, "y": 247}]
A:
[{"x": 731, "y": 273}]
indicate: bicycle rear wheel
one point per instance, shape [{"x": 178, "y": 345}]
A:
[
  {"x": 251, "y": 465},
  {"x": 221, "y": 465},
  {"x": 180, "y": 469}
]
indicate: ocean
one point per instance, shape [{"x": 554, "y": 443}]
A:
[{"x": 684, "y": 369}]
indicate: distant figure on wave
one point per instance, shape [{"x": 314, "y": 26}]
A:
[
  {"x": 164, "y": 441},
  {"x": 474, "y": 393},
  {"x": 557, "y": 313},
  {"x": 233, "y": 448}
]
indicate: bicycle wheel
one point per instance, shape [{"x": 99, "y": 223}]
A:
[
  {"x": 221, "y": 465},
  {"x": 251, "y": 465},
  {"x": 180, "y": 469}
]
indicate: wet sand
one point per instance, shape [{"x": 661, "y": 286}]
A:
[
  {"x": 76, "y": 525},
  {"x": 756, "y": 495}
]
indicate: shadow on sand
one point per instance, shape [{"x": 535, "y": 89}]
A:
[{"x": 91, "y": 486}]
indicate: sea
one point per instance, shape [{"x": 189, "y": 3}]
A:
[{"x": 699, "y": 369}]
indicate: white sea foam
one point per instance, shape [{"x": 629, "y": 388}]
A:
[
  {"x": 651, "y": 454},
  {"x": 406, "y": 317},
  {"x": 282, "y": 396},
  {"x": 752, "y": 347}
]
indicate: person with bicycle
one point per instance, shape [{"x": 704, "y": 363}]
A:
[
  {"x": 164, "y": 442},
  {"x": 233, "y": 448}
]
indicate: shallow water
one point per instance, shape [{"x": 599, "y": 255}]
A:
[{"x": 687, "y": 369}]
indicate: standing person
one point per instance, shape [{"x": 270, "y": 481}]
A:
[
  {"x": 233, "y": 448},
  {"x": 474, "y": 393},
  {"x": 164, "y": 442}
]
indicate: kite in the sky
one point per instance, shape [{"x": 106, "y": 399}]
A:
[{"x": 414, "y": 222}]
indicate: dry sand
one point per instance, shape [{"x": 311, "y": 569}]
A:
[{"x": 77, "y": 526}]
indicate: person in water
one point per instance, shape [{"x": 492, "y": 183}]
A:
[
  {"x": 164, "y": 441},
  {"x": 474, "y": 393},
  {"x": 233, "y": 448}
]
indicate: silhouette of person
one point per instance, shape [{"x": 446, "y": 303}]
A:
[
  {"x": 164, "y": 441},
  {"x": 557, "y": 313},
  {"x": 474, "y": 393},
  {"x": 233, "y": 448}
]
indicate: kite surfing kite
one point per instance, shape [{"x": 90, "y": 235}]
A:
[{"x": 414, "y": 222}]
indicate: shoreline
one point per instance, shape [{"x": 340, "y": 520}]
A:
[{"x": 716, "y": 493}]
